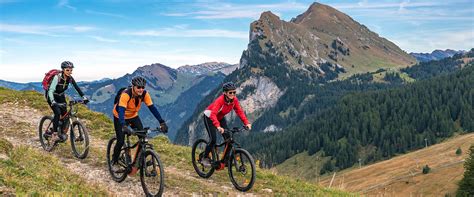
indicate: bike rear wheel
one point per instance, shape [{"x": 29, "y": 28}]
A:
[
  {"x": 119, "y": 173},
  {"x": 79, "y": 140},
  {"x": 241, "y": 169},
  {"x": 46, "y": 125},
  {"x": 197, "y": 154},
  {"x": 152, "y": 174}
]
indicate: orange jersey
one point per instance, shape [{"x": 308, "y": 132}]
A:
[{"x": 131, "y": 108}]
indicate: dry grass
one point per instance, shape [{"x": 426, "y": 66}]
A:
[{"x": 403, "y": 175}]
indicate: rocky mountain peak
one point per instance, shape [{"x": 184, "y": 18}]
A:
[
  {"x": 208, "y": 67},
  {"x": 158, "y": 75}
]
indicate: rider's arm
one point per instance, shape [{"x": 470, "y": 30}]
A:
[
  {"x": 52, "y": 88},
  {"x": 76, "y": 87},
  {"x": 218, "y": 103},
  {"x": 121, "y": 106},
  {"x": 152, "y": 107},
  {"x": 240, "y": 112}
]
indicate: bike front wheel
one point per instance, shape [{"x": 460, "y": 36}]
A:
[
  {"x": 152, "y": 174},
  {"x": 79, "y": 140},
  {"x": 45, "y": 132},
  {"x": 241, "y": 169},
  {"x": 197, "y": 154},
  {"x": 119, "y": 171}
]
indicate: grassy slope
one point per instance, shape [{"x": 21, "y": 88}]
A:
[
  {"x": 401, "y": 174},
  {"x": 30, "y": 171},
  {"x": 173, "y": 156}
]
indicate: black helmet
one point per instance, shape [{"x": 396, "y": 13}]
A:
[
  {"x": 138, "y": 81},
  {"x": 67, "y": 64},
  {"x": 228, "y": 86}
]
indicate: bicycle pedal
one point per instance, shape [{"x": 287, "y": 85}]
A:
[{"x": 220, "y": 166}]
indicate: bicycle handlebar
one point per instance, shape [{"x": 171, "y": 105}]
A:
[
  {"x": 74, "y": 102},
  {"x": 77, "y": 102},
  {"x": 146, "y": 132},
  {"x": 236, "y": 129}
]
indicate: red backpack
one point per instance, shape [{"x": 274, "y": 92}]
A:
[{"x": 48, "y": 77}]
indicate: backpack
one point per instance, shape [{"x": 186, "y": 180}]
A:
[
  {"x": 48, "y": 77},
  {"x": 127, "y": 90}
]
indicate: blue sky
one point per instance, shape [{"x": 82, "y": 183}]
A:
[{"x": 110, "y": 38}]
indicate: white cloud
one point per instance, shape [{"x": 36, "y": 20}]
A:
[
  {"x": 182, "y": 31},
  {"x": 228, "y": 11},
  {"x": 378, "y": 5},
  {"x": 430, "y": 40},
  {"x": 46, "y": 30},
  {"x": 65, "y": 3},
  {"x": 105, "y": 14},
  {"x": 410, "y": 11},
  {"x": 102, "y": 39}
]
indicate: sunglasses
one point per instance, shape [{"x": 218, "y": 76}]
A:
[
  {"x": 232, "y": 92},
  {"x": 68, "y": 70},
  {"x": 140, "y": 87}
]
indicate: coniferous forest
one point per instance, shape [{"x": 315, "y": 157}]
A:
[{"x": 386, "y": 122}]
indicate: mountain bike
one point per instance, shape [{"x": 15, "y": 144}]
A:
[
  {"x": 79, "y": 136},
  {"x": 145, "y": 159},
  {"x": 239, "y": 161}
]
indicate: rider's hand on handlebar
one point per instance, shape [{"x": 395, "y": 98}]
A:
[
  {"x": 125, "y": 129},
  {"x": 220, "y": 129},
  {"x": 164, "y": 127},
  {"x": 248, "y": 126},
  {"x": 85, "y": 99}
]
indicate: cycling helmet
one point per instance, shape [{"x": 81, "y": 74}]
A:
[
  {"x": 138, "y": 81},
  {"x": 228, "y": 86},
  {"x": 67, "y": 64}
]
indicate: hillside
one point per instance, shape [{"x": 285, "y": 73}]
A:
[
  {"x": 376, "y": 125},
  {"x": 24, "y": 168},
  {"x": 403, "y": 174}
]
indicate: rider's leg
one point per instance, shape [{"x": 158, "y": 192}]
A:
[
  {"x": 57, "y": 114},
  {"x": 135, "y": 123},
  {"x": 211, "y": 130},
  {"x": 120, "y": 140},
  {"x": 62, "y": 110}
]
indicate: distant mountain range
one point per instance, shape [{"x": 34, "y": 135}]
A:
[
  {"x": 176, "y": 92},
  {"x": 436, "y": 55},
  {"x": 209, "y": 67}
]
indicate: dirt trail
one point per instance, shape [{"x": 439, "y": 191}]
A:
[{"x": 26, "y": 134}]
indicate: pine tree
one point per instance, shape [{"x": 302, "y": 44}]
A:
[{"x": 466, "y": 185}]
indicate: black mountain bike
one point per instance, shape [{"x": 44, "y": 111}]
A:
[
  {"x": 145, "y": 159},
  {"x": 78, "y": 133},
  {"x": 239, "y": 161}
]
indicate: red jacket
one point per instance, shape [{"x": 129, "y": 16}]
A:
[{"x": 219, "y": 108}]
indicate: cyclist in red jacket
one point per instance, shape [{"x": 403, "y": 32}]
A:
[{"x": 214, "y": 116}]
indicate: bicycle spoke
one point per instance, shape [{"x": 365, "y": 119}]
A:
[
  {"x": 151, "y": 174},
  {"x": 242, "y": 171},
  {"x": 79, "y": 140}
]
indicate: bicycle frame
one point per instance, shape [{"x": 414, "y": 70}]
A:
[
  {"x": 142, "y": 145},
  {"x": 229, "y": 147},
  {"x": 68, "y": 115}
]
